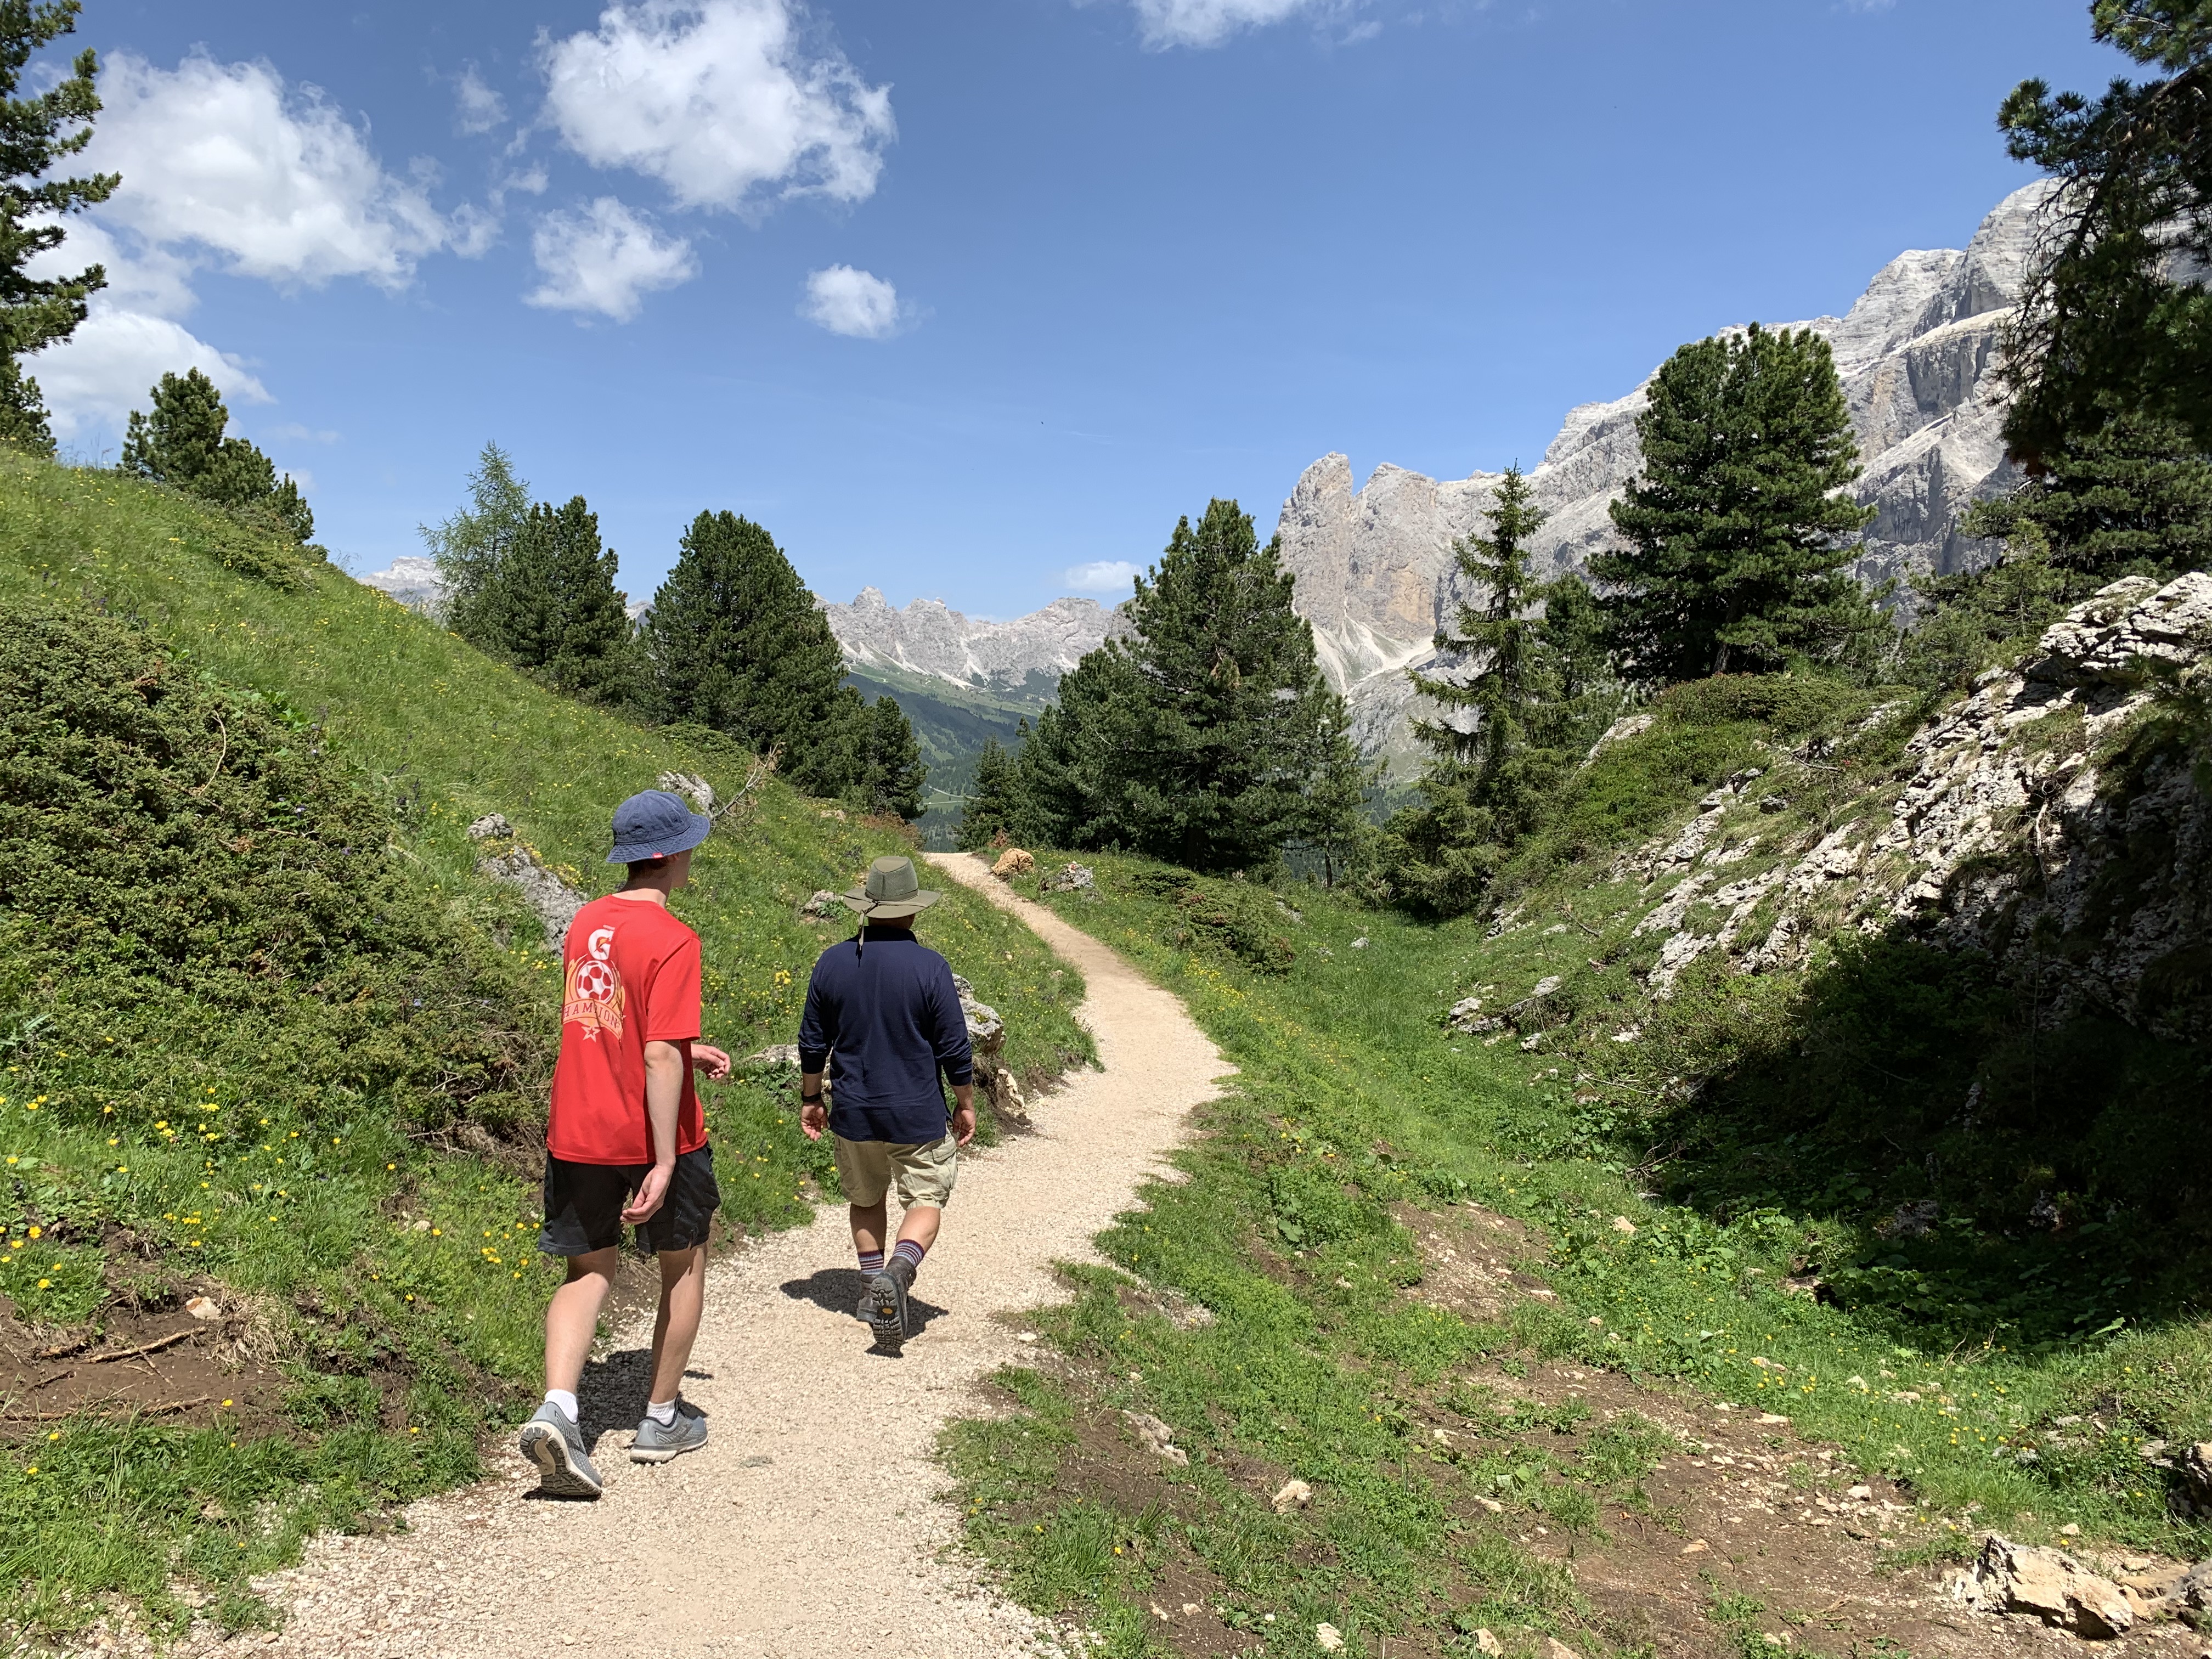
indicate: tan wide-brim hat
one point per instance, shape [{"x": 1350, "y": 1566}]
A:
[{"x": 892, "y": 890}]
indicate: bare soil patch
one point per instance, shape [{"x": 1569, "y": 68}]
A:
[{"x": 155, "y": 1359}]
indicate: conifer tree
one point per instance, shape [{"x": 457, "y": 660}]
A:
[
  {"x": 36, "y": 133},
  {"x": 2130, "y": 498},
  {"x": 470, "y": 546},
  {"x": 736, "y": 643},
  {"x": 1510, "y": 729},
  {"x": 553, "y": 607},
  {"x": 889, "y": 775},
  {"x": 990, "y": 807},
  {"x": 1737, "y": 542},
  {"x": 181, "y": 443},
  {"x": 1209, "y": 738}
]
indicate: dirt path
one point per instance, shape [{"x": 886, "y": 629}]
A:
[{"x": 809, "y": 1525}]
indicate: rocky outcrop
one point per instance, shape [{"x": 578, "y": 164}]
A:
[
  {"x": 1916, "y": 354},
  {"x": 2032, "y": 825},
  {"x": 929, "y": 637},
  {"x": 513, "y": 862}
]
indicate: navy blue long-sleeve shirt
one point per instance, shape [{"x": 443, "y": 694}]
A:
[{"x": 887, "y": 1020}]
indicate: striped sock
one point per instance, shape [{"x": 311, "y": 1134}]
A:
[
  {"x": 871, "y": 1261},
  {"x": 911, "y": 1253}
]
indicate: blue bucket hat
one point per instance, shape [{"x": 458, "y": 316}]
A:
[{"x": 654, "y": 823}]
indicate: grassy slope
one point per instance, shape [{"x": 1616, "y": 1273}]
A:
[
  {"x": 442, "y": 735},
  {"x": 1352, "y": 1098}
]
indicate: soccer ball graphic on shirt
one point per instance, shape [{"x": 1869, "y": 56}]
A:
[{"x": 594, "y": 998}]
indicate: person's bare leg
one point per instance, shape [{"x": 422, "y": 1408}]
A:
[
  {"x": 868, "y": 1222},
  {"x": 676, "y": 1326},
  {"x": 920, "y": 1223},
  {"x": 571, "y": 1317}
]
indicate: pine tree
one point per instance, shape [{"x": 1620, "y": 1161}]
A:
[
  {"x": 470, "y": 546},
  {"x": 553, "y": 607},
  {"x": 1204, "y": 739},
  {"x": 2116, "y": 316},
  {"x": 181, "y": 443},
  {"x": 990, "y": 805},
  {"x": 1972, "y": 620},
  {"x": 2131, "y": 498},
  {"x": 1737, "y": 542},
  {"x": 35, "y": 134},
  {"x": 889, "y": 776},
  {"x": 736, "y": 643}
]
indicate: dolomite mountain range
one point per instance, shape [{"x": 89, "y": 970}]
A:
[{"x": 1917, "y": 355}]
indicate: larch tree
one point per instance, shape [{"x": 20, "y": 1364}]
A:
[
  {"x": 1738, "y": 539},
  {"x": 471, "y": 545},
  {"x": 735, "y": 642},
  {"x": 36, "y": 134}
]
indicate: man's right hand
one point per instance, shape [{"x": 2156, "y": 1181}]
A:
[
  {"x": 642, "y": 1207},
  {"x": 813, "y": 1119}
]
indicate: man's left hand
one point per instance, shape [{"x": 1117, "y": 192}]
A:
[{"x": 714, "y": 1062}]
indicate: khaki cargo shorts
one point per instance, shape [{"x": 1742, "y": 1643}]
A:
[{"x": 923, "y": 1174}]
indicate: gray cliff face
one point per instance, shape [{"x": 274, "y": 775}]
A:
[
  {"x": 1916, "y": 356},
  {"x": 928, "y": 637}
]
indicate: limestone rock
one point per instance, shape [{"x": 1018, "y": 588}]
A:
[
  {"x": 1487, "y": 1645},
  {"x": 1014, "y": 862},
  {"x": 1156, "y": 1438},
  {"x": 1071, "y": 878},
  {"x": 781, "y": 1054},
  {"x": 692, "y": 788},
  {"x": 824, "y": 906},
  {"x": 493, "y": 826},
  {"x": 203, "y": 1308},
  {"x": 1328, "y": 1639},
  {"x": 1291, "y": 1495},
  {"x": 554, "y": 902},
  {"x": 2048, "y": 1584},
  {"x": 987, "y": 1032}
]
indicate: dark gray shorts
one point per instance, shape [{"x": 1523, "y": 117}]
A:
[{"x": 584, "y": 1205}]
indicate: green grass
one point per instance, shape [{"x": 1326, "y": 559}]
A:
[
  {"x": 1351, "y": 1097},
  {"x": 208, "y": 1150}
]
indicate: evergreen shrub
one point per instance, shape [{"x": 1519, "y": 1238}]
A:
[{"x": 188, "y": 883}]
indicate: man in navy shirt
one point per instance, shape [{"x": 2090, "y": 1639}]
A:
[{"x": 883, "y": 1018}]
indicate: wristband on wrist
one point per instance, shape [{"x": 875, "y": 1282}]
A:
[{"x": 810, "y": 1100}]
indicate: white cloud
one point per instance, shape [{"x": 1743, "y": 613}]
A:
[
  {"x": 1167, "y": 23},
  {"x": 272, "y": 179},
  {"x": 303, "y": 434},
  {"x": 477, "y": 108},
  {"x": 718, "y": 100},
  {"x": 603, "y": 258},
  {"x": 1102, "y": 576},
  {"x": 99, "y": 374},
  {"x": 849, "y": 301}
]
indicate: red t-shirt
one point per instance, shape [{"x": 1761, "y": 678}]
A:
[{"x": 629, "y": 976}]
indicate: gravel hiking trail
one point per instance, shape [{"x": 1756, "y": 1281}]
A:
[{"x": 810, "y": 1525}]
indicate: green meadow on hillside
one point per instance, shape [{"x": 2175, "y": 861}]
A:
[
  {"x": 268, "y": 1035},
  {"x": 2005, "y": 1378}
]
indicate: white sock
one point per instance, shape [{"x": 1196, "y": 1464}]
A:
[
  {"x": 662, "y": 1412},
  {"x": 564, "y": 1399}
]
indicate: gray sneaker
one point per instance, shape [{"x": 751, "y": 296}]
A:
[
  {"x": 655, "y": 1444},
  {"x": 556, "y": 1444}
]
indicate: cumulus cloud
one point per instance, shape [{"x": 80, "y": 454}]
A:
[
  {"x": 271, "y": 180},
  {"x": 722, "y": 102},
  {"x": 1165, "y": 23},
  {"x": 1102, "y": 576},
  {"x": 605, "y": 258},
  {"x": 845, "y": 300},
  {"x": 94, "y": 378}
]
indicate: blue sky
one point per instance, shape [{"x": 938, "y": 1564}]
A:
[{"x": 958, "y": 299}]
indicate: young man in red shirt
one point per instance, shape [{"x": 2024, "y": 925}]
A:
[{"x": 626, "y": 1143}]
